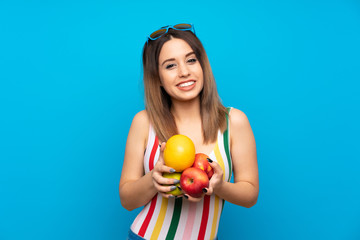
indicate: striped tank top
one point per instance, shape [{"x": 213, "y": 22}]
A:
[{"x": 164, "y": 218}]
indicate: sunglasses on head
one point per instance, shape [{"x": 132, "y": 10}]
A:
[{"x": 182, "y": 27}]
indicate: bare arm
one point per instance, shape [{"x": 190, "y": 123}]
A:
[
  {"x": 135, "y": 188},
  {"x": 245, "y": 189}
]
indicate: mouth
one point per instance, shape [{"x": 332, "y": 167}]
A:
[{"x": 186, "y": 83}]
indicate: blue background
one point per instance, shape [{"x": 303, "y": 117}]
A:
[{"x": 70, "y": 83}]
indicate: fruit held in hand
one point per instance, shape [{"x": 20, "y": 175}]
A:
[
  {"x": 179, "y": 152},
  {"x": 193, "y": 180},
  {"x": 176, "y": 176},
  {"x": 202, "y": 163}
]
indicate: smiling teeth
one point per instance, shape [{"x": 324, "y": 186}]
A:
[{"x": 186, "y": 84}]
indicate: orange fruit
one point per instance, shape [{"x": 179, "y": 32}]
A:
[
  {"x": 179, "y": 152},
  {"x": 177, "y": 176}
]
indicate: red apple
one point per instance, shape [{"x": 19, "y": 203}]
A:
[
  {"x": 202, "y": 163},
  {"x": 193, "y": 180}
]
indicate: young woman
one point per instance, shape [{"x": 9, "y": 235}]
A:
[{"x": 181, "y": 98}]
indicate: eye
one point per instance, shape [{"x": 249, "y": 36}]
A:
[
  {"x": 192, "y": 60},
  {"x": 169, "y": 66}
]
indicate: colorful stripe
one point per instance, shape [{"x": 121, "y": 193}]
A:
[
  {"x": 175, "y": 219},
  {"x": 205, "y": 216},
  {"x": 153, "y": 201},
  {"x": 219, "y": 159},
  {"x": 167, "y": 220},
  {"x": 140, "y": 218},
  {"x": 153, "y": 152},
  {"x": 160, "y": 219},
  {"x": 190, "y": 220},
  {"x": 226, "y": 137},
  {"x": 148, "y": 218},
  {"x": 215, "y": 219}
]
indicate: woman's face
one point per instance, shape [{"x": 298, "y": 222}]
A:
[{"x": 180, "y": 71}]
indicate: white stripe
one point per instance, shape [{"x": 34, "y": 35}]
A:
[
  {"x": 157, "y": 155},
  {"x": 150, "y": 143}
]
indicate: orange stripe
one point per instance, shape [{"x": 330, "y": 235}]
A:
[{"x": 160, "y": 220}]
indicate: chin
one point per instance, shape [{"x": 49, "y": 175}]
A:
[{"x": 189, "y": 96}]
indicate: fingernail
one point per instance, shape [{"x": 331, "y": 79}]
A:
[
  {"x": 176, "y": 181},
  {"x": 186, "y": 196},
  {"x": 172, "y": 188},
  {"x": 204, "y": 190},
  {"x": 179, "y": 188},
  {"x": 171, "y": 196},
  {"x": 209, "y": 160},
  {"x": 172, "y": 170}
]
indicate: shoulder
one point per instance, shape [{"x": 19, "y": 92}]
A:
[
  {"x": 141, "y": 123},
  {"x": 139, "y": 129},
  {"x": 241, "y": 134},
  {"x": 238, "y": 119},
  {"x": 141, "y": 118}
]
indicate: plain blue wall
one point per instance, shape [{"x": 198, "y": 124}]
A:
[{"x": 70, "y": 83}]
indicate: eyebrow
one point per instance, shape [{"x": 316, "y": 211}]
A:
[{"x": 173, "y": 59}]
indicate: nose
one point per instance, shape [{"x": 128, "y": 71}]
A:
[{"x": 183, "y": 70}]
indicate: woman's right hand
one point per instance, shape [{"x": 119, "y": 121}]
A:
[{"x": 157, "y": 176}]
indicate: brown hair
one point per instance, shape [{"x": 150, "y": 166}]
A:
[{"x": 158, "y": 102}]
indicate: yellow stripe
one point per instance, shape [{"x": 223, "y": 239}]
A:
[
  {"x": 160, "y": 220},
  {"x": 219, "y": 159},
  {"x": 216, "y": 213}
]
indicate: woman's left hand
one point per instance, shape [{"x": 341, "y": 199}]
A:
[{"x": 215, "y": 182}]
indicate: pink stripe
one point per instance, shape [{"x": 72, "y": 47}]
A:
[{"x": 190, "y": 220}]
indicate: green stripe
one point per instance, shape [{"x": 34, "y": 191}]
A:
[
  {"x": 226, "y": 143},
  {"x": 175, "y": 219}
]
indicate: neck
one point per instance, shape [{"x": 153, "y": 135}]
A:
[{"x": 188, "y": 111}]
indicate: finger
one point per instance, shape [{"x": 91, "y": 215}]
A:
[
  {"x": 208, "y": 191},
  {"x": 162, "y": 146},
  {"x": 165, "y": 195},
  {"x": 216, "y": 167},
  {"x": 192, "y": 199},
  {"x": 170, "y": 196},
  {"x": 161, "y": 167},
  {"x": 164, "y": 188},
  {"x": 161, "y": 180}
]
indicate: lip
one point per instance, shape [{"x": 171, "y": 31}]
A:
[
  {"x": 190, "y": 80},
  {"x": 186, "y": 88}
]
